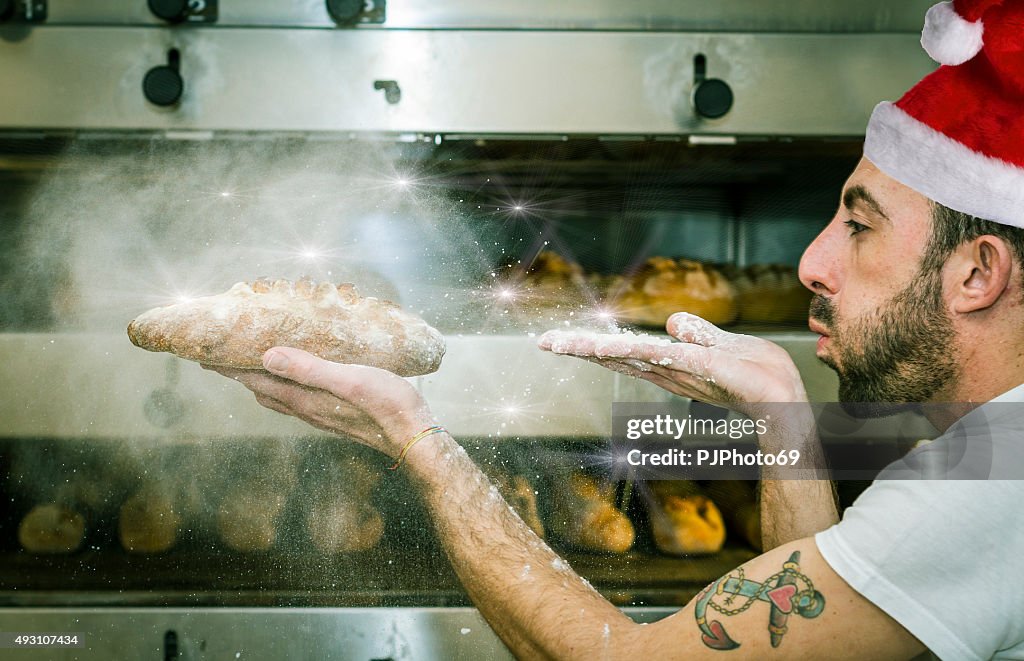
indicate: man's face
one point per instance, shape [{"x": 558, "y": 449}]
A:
[{"x": 883, "y": 322}]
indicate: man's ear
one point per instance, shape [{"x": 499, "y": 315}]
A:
[{"x": 980, "y": 271}]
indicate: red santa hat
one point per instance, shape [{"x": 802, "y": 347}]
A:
[{"x": 957, "y": 136}]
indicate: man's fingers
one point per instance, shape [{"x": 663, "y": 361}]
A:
[
  {"x": 694, "y": 330},
  {"x": 292, "y": 373},
  {"x": 583, "y": 344},
  {"x": 567, "y": 342},
  {"x": 677, "y": 356},
  {"x": 296, "y": 397},
  {"x": 638, "y": 356},
  {"x": 344, "y": 380},
  {"x": 299, "y": 366}
]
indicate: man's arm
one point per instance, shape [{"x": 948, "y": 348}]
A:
[
  {"x": 792, "y": 509},
  {"x": 528, "y": 594},
  {"x": 786, "y": 603}
]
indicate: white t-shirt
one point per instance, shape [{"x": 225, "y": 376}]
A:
[{"x": 944, "y": 558}]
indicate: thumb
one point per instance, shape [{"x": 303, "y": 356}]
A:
[
  {"x": 299, "y": 366},
  {"x": 690, "y": 328}
]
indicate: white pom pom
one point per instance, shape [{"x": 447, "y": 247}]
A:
[{"x": 948, "y": 38}]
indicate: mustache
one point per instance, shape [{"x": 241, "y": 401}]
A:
[{"x": 822, "y": 311}]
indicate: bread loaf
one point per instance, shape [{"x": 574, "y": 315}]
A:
[
  {"x": 148, "y": 521},
  {"x": 683, "y": 520},
  {"x": 664, "y": 286},
  {"x": 550, "y": 287},
  {"x": 584, "y": 515},
  {"x": 340, "y": 516},
  {"x": 51, "y": 528},
  {"x": 235, "y": 328},
  {"x": 339, "y": 522},
  {"x": 248, "y": 517},
  {"x": 770, "y": 293},
  {"x": 737, "y": 499}
]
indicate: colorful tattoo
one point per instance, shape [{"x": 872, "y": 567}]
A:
[{"x": 787, "y": 591}]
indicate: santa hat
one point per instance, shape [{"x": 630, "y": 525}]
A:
[{"x": 957, "y": 136}]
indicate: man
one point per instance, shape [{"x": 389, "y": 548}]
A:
[{"x": 915, "y": 301}]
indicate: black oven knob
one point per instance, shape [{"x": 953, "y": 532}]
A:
[
  {"x": 6, "y": 9},
  {"x": 712, "y": 98},
  {"x": 163, "y": 85},
  {"x": 346, "y": 12},
  {"x": 172, "y": 11}
]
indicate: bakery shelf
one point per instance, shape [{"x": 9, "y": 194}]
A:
[
  {"x": 387, "y": 576},
  {"x": 406, "y": 568}
]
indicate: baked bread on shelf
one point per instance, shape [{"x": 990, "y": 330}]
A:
[
  {"x": 683, "y": 520},
  {"x": 556, "y": 289},
  {"x": 340, "y": 517},
  {"x": 664, "y": 286},
  {"x": 551, "y": 287},
  {"x": 337, "y": 522},
  {"x": 51, "y": 528},
  {"x": 769, "y": 293},
  {"x": 148, "y": 521},
  {"x": 584, "y": 515},
  {"x": 603, "y": 285},
  {"x": 249, "y": 515},
  {"x": 334, "y": 322}
]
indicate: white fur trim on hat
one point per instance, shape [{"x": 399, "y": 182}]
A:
[
  {"x": 949, "y": 38},
  {"x": 943, "y": 169}
]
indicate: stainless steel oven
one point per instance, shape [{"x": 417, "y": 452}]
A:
[{"x": 150, "y": 151}]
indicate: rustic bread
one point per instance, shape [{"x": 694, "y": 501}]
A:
[
  {"x": 683, "y": 520},
  {"x": 770, "y": 293},
  {"x": 585, "y": 516},
  {"x": 248, "y": 517},
  {"x": 551, "y": 286},
  {"x": 235, "y": 328},
  {"x": 51, "y": 528},
  {"x": 340, "y": 516},
  {"x": 664, "y": 286},
  {"x": 148, "y": 521}
]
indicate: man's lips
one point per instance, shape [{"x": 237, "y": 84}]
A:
[{"x": 817, "y": 327}]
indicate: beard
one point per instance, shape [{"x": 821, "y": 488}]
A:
[{"x": 895, "y": 357}]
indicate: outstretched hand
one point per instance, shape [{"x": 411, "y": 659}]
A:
[
  {"x": 708, "y": 364},
  {"x": 367, "y": 404}
]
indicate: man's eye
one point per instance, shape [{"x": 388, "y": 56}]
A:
[{"x": 855, "y": 227}]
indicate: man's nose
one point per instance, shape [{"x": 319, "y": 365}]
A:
[{"x": 819, "y": 266}]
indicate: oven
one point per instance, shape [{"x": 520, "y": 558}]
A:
[{"x": 432, "y": 153}]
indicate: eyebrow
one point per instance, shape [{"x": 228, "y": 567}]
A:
[{"x": 858, "y": 195}]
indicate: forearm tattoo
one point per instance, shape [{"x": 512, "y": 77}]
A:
[{"x": 787, "y": 591}]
